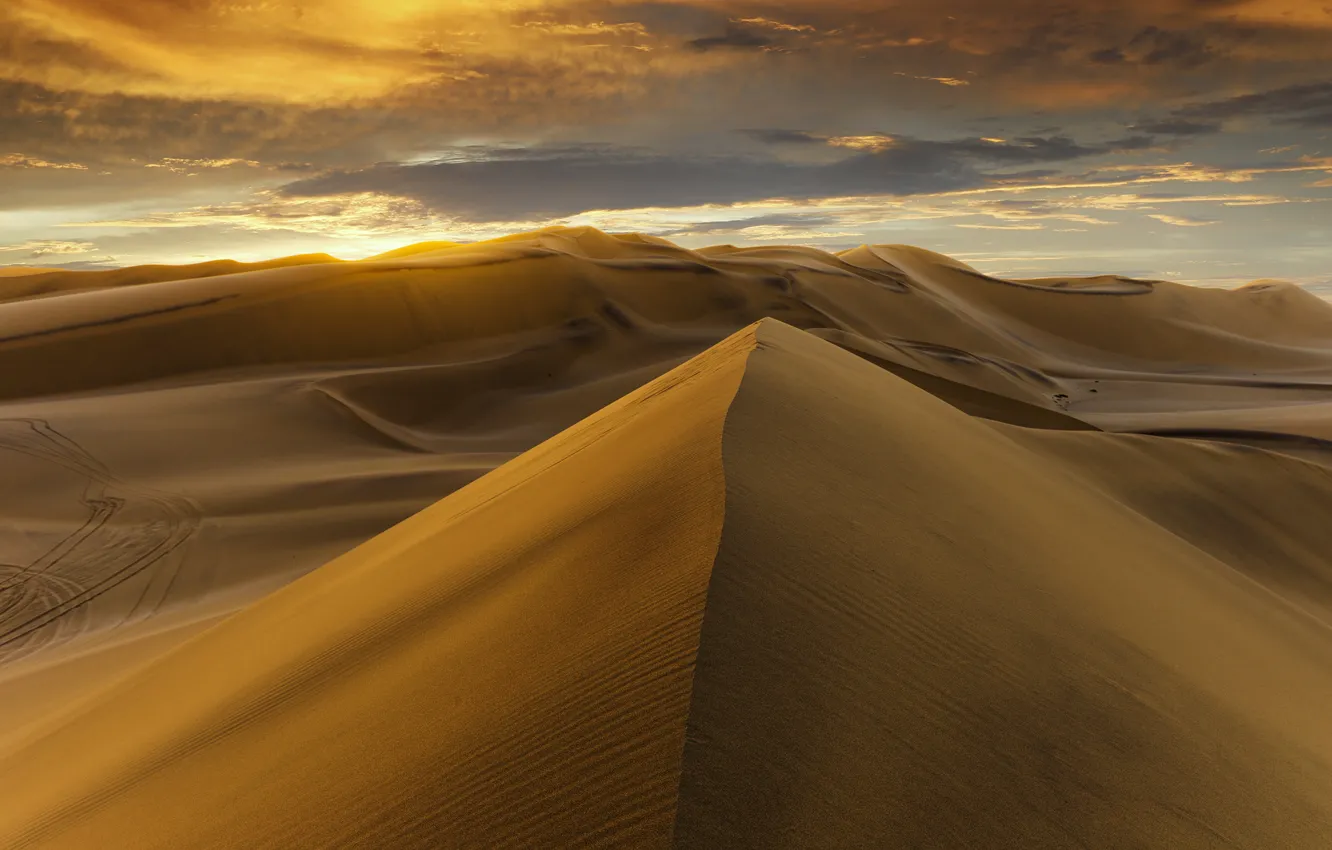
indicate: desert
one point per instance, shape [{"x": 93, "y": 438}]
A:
[
  {"x": 690, "y": 424},
  {"x": 587, "y": 539}
]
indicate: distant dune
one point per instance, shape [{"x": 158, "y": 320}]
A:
[
  {"x": 62, "y": 281},
  {"x": 19, "y": 271},
  {"x": 573, "y": 539}
]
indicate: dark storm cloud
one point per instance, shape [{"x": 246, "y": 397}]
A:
[
  {"x": 1177, "y": 127},
  {"x": 735, "y": 36},
  {"x": 513, "y": 187},
  {"x": 1305, "y": 105},
  {"x": 805, "y": 220},
  {"x": 1108, "y": 56},
  {"x": 1156, "y": 46},
  {"x": 784, "y": 137},
  {"x": 671, "y": 19},
  {"x": 1132, "y": 143}
]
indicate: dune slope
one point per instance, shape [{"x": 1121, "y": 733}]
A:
[
  {"x": 508, "y": 668},
  {"x": 924, "y": 630},
  {"x": 778, "y": 597}
]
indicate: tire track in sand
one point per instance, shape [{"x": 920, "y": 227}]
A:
[{"x": 128, "y": 530}]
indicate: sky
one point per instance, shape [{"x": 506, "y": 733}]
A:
[{"x": 1181, "y": 140}]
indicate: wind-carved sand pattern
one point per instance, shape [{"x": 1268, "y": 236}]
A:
[{"x": 127, "y": 530}]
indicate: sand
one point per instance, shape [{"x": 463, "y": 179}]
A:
[
  {"x": 544, "y": 542},
  {"x": 924, "y": 630},
  {"x": 20, "y": 271}
]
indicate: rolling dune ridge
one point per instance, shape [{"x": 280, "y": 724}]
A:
[{"x": 580, "y": 539}]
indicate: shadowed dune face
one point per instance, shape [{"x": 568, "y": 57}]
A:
[
  {"x": 776, "y": 597},
  {"x": 957, "y": 634}
]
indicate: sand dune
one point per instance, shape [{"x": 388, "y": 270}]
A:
[
  {"x": 59, "y": 281},
  {"x": 941, "y": 557},
  {"x": 778, "y": 597},
  {"x": 578, "y": 287},
  {"x": 20, "y": 271}
]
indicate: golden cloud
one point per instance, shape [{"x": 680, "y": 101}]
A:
[
  {"x": 599, "y": 28},
  {"x": 947, "y": 81},
  {"x": 18, "y": 160},
  {"x": 350, "y": 215},
  {"x": 288, "y": 51},
  {"x": 875, "y": 143},
  {"x": 776, "y": 25},
  {"x": 180, "y": 165},
  {"x": 1182, "y": 221},
  {"x": 47, "y": 247}
]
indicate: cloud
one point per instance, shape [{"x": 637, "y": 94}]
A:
[
  {"x": 772, "y": 227},
  {"x": 47, "y": 247},
  {"x": 1109, "y": 176},
  {"x": 18, "y": 160},
  {"x": 737, "y": 36},
  {"x": 180, "y": 165},
  {"x": 593, "y": 28},
  {"x": 1304, "y": 105},
  {"x": 346, "y": 215},
  {"x": 873, "y": 142},
  {"x": 535, "y": 183},
  {"x": 1108, "y": 56},
  {"x": 1177, "y": 127},
  {"x": 1155, "y": 46},
  {"x": 947, "y": 81},
  {"x": 925, "y": 107},
  {"x": 1023, "y": 149},
  {"x": 776, "y": 25},
  {"x": 1182, "y": 221},
  {"x": 95, "y": 82},
  {"x": 784, "y": 137},
  {"x": 360, "y": 225}
]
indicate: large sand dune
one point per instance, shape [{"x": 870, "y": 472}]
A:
[{"x": 939, "y": 560}]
